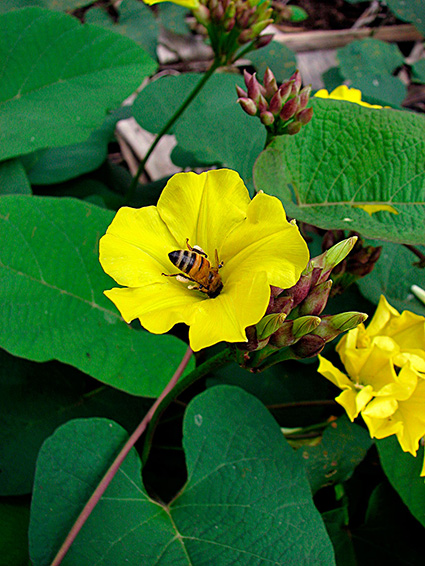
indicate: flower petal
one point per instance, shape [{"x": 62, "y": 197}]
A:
[
  {"x": 134, "y": 250},
  {"x": 266, "y": 241},
  {"x": 158, "y": 306},
  {"x": 203, "y": 208},
  {"x": 328, "y": 370},
  {"x": 383, "y": 315},
  {"x": 240, "y": 304}
]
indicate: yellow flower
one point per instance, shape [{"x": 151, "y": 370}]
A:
[
  {"x": 385, "y": 363},
  {"x": 253, "y": 240},
  {"x": 191, "y": 4},
  {"x": 344, "y": 93}
]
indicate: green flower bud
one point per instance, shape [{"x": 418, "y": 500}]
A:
[
  {"x": 269, "y": 324},
  {"x": 333, "y": 325}
]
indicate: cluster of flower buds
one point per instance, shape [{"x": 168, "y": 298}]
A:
[
  {"x": 360, "y": 262},
  {"x": 292, "y": 327},
  {"x": 283, "y": 109},
  {"x": 232, "y": 24}
]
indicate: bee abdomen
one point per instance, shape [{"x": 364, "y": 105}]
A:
[{"x": 184, "y": 259}]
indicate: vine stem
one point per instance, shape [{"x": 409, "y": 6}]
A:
[
  {"x": 219, "y": 360},
  {"x": 133, "y": 185},
  {"x": 107, "y": 478}
]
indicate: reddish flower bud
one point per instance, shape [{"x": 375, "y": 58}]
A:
[
  {"x": 263, "y": 40},
  {"x": 241, "y": 92},
  {"x": 266, "y": 118},
  {"x": 289, "y": 109},
  {"x": 316, "y": 300},
  {"x": 304, "y": 116},
  {"x": 248, "y": 106},
  {"x": 275, "y": 105},
  {"x": 285, "y": 90},
  {"x": 293, "y": 128},
  {"x": 296, "y": 77},
  {"x": 269, "y": 83},
  {"x": 309, "y": 346},
  {"x": 254, "y": 91},
  {"x": 304, "y": 97}
]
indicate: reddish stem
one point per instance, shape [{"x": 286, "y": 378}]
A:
[{"x": 107, "y": 478}]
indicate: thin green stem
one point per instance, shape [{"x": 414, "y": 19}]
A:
[
  {"x": 167, "y": 126},
  {"x": 113, "y": 469},
  {"x": 217, "y": 361}
]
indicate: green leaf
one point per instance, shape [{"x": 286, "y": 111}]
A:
[
  {"x": 418, "y": 71},
  {"x": 403, "y": 470},
  {"x": 390, "y": 535},
  {"x": 279, "y": 58},
  {"x": 246, "y": 501},
  {"x": 14, "y": 520},
  {"x": 136, "y": 21},
  {"x": 59, "y": 78},
  {"x": 173, "y": 17},
  {"x": 13, "y": 178},
  {"x": 341, "y": 537},
  {"x": 369, "y": 64},
  {"x": 342, "y": 447},
  {"x": 350, "y": 156},
  {"x": 59, "y": 164},
  {"x": 412, "y": 11},
  {"x": 332, "y": 78},
  {"x": 35, "y": 399},
  {"x": 52, "y": 295},
  {"x": 214, "y": 129},
  {"x": 369, "y": 56},
  {"x": 385, "y": 278},
  {"x": 61, "y": 5}
]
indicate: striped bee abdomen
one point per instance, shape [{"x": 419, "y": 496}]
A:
[{"x": 186, "y": 260}]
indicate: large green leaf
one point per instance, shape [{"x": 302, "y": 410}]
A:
[
  {"x": 214, "y": 129},
  {"x": 52, "y": 297},
  {"x": 342, "y": 447},
  {"x": 58, "y": 78},
  {"x": 277, "y": 57},
  {"x": 385, "y": 278},
  {"x": 347, "y": 157},
  {"x": 35, "y": 399},
  {"x": 62, "y": 5},
  {"x": 403, "y": 470},
  {"x": 246, "y": 501},
  {"x": 13, "y": 178},
  {"x": 136, "y": 21},
  {"x": 50, "y": 166}
]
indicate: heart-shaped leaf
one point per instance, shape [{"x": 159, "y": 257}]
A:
[
  {"x": 246, "y": 500},
  {"x": 352, "y": 168},
  {"x": 52, "y": 297},
  {"x": 59, "y": 78}
]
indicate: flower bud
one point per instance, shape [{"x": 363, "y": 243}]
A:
[
  {"x": 241, "y": 92},
  {"x": 248, "y": 106},
  {"x": 254, "y": 90},
  {"x": 266, "y": 118},
  {"x": 304, "y": 97},
  {"x": 289, "y": 109},
  {"x": 296, "y": 77},
  {"x": 304, "y": 116},
  {"x": 269, "y": 83},
  {"x": 269, "y": 324},
  {"x": 332, "y": 325},
  {"x": 263, "y": 40},
  {"x": 202, "y": 15},
  {"x": 316, "y": 300},
  {"x": 330, "y": 258},
  {"x": 293, "y": 330},
  {"x": 309, "y": 346},
  {"x": 293, "y": 128},
  {"x": 275, "y": 105},
  {"x": 285, "y": 90}
]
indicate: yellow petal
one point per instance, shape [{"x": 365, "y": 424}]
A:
[
  {"x": 380, "y": 408},
  {"x": 354, "y": 402},
  {"x": 204, "y": 208},
  {"x": 240, "y": 304},
  {"x": 192, "y": 4},
  {"x": 134, "y": 250},
  {"x": 381, "y": 428},
  {"x": 383, "y": 315},
  {"x": 344, "y": 93},
  {"x": 412, "y": 413},
  {"x": 328, "y": 370},
  {"x": 266, "y": 241},
  {"x": 158, "y": 306},
  {"x": 372, "y": 208}
]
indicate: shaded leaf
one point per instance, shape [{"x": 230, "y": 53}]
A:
[
  {"x": 13, "y": 178},
  {"x": 61, "y": 5},
  {"x": 59, "y": 78},
  {"x": 403, "y": 470},
  {"x": 279, "y": 58},
  {"x": 214, "y": 129},
  {"x": 173, "y": 17},
  {"x": 346, "y": 158},
  {"x": 52, "y": 295},
  {"x": 136, "y": 21},
  {"x": 333, "y": 460},
  {"x": 335, "y": 523},
  {"x": 412, "y": 11},
  {"x": 247, "y": 500},
  {"x": 35, "y": 399},
  {"x": 385, "y": 278}
]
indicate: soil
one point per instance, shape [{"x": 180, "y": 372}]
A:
[{"x": 334, "y": 15}]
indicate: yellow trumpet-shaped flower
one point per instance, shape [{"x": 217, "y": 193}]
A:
[
  {"x": 344, "y": 93},
  {"x": 191, "y": 4},
  {"x": 252, "y": 241},
  {"x": 385, "y": 363}
]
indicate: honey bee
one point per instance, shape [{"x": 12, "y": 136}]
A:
[{"x": 195, "y": 264}]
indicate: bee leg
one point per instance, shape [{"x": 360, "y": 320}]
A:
[
  {"x": 196, "y": 249},
  {"x": 218, "y": 263}
]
